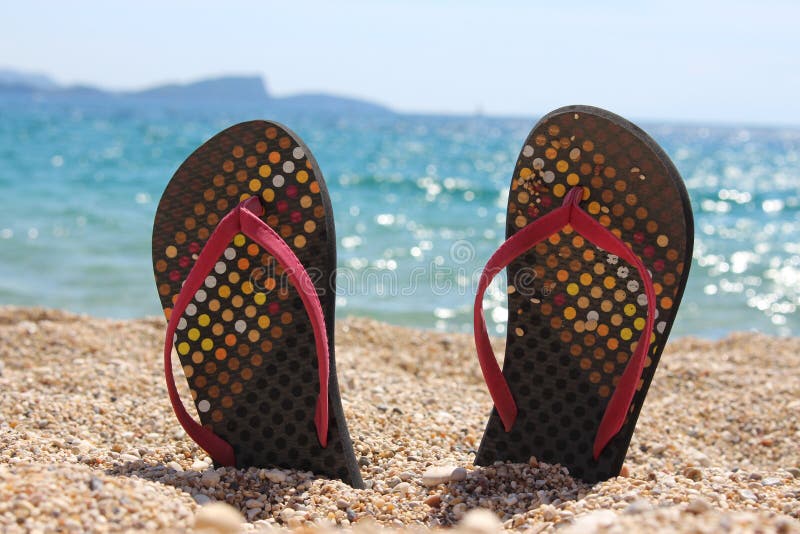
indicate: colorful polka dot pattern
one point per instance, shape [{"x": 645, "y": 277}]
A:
[
  {"x": 576, "y": 312},
  {"x": 245, "y": 341}
]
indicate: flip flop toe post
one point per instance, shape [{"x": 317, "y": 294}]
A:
[
  {"x": 599, "y": 243},
  {"x": 244, "y": 258}
]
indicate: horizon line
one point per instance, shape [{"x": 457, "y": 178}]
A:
[{"x": 682, "y": 122}]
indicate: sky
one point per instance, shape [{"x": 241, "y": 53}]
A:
[{"x": 706, "y": 62}]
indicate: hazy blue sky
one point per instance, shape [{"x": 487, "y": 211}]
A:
[{"x": 684, "y": 60}]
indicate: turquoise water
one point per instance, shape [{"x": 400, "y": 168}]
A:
[{"x": 419, "y": 204}]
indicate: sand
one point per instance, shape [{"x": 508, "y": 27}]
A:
[{"x": 88, "y": 441}]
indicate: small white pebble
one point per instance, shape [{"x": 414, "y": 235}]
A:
[
  {"x": 175, "y": 466},
  {"x": 480, "y": 521},
  {"x": 275, "y": 476},
  {"x": 286, "y": 514},
  {"x": 748, "y": 495},
  {"x": 199, "y": 465},
  {"x": 458, "y": 474},
  {"x": 594, "y": 521},
  {"x": 433, "y": 476},
  {"x": 219, "y": 518},
  {"x": 402, "y": 487}
]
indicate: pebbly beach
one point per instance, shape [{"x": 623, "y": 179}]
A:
[{"x": 88, "y": 441}]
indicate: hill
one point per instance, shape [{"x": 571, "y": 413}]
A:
[{"x": 227, "y": 89}]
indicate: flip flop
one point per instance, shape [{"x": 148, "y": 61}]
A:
[
  {"x": 599, "y": 243},
  {"x": 244, "y": 253}
]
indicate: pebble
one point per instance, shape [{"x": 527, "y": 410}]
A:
[
  {"x": 433, "y": 476},
  {"x": 698, "y": 506},
  {"x": 175, "y": 466},
  {"x": 480, "y": 521},
  {"x": 210, "y": 478},
  {"x": 276, "y": 476},
  {"x": 52, "y": 446},
  {"x": 218, "y": 518},
  {"x": 638, "y": 506},
  {"x": 459, "y": 510},
  {"x": 403, "y": 487},
  {"x": 458, "y": 474},
  {"x": 747, "y": 494},
  {"x": 95, "y": 484},
  {"x": 433, "y": 501},
  {"x": 286, "y": 514},
  {"x": 657, "y": 449},
  {"x": 199, "y": 465},
  {"x": 254, "y": 503},
  {"x": 693, "y": 473},
  {"x": 510, "y": 500},
  {"x": 548, "y": 512},
  {"x": 594, "y": 521}
]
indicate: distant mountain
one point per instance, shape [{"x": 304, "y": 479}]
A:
[
  {"x": 218, "y": 91},
  {"x": 13, "y": 78},
  {"x": 325, "y": 102},
  {"x": 240, "y": 87}
]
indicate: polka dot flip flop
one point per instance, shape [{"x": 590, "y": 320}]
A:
[
  {"x": 599, "y": 243},
  {"x": 244, "y": 252}
]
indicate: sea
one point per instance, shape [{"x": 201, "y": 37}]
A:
[{"x": 419, "y": 205}]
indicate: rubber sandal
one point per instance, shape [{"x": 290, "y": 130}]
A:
[
  {"x": 599, "y": 243},
  {"x": 244, "y": 253}
]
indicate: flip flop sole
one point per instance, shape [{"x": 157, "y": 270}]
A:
[
  {"x": 575, "y": 312},
  {"x": 246, "y": 343}
]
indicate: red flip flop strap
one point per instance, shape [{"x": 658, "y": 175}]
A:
[
  {"x": 264, "y": 235},
  {"x": 570, "y": 213},
  {"x": 620, "y": 402},
  {"x": 512, "y": 248},
  {"x": 245, "y": 219}
]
